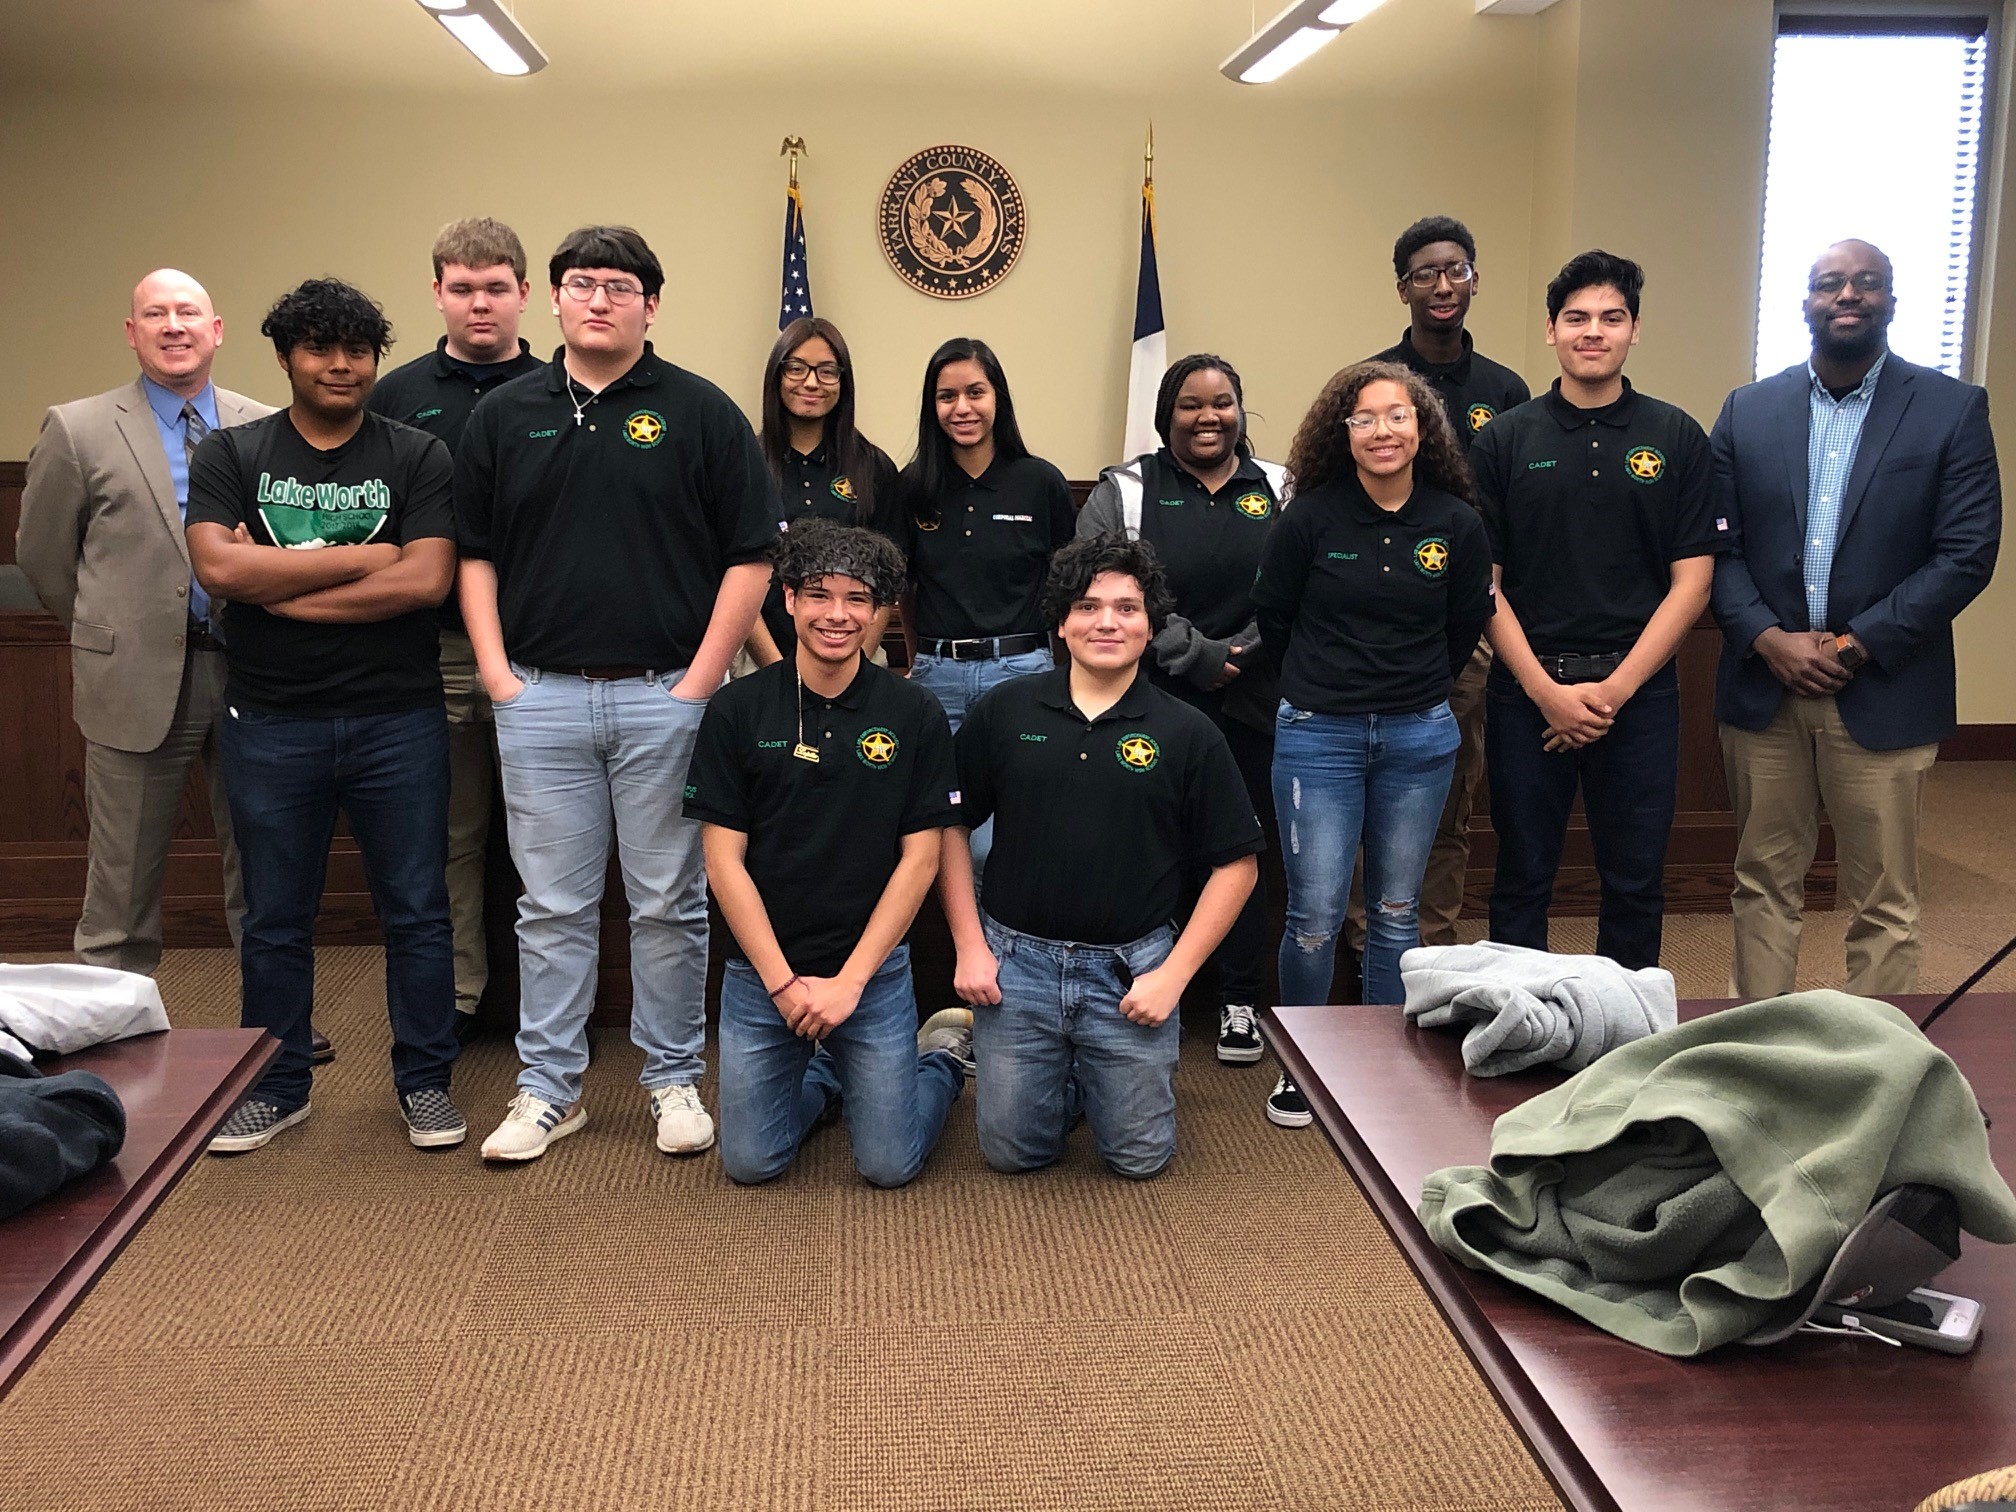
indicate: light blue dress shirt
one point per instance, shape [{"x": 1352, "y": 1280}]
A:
[
  {"x": 174, "y": 430},
  {"x": 1833, "y": 436}
]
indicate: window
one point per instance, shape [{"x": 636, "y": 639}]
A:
[{"x": 1875, "y": 133}]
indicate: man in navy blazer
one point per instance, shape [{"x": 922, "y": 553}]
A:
[{"x": 1865, "y": 508}]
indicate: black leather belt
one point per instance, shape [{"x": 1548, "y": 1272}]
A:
[
  {"x": 603, "y": 674},
  {"x": 202, "y": 637},
  {"x": 985, "y": 648},
  {"x": 1575, "y": 667}
]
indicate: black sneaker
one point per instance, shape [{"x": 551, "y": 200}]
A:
[
  {"x": 1287, "y": 1106},
  {"x": 320, "y": 1051},
  {"x": 252, "y": 1125},
  {"x": 432, "y": 1121},
  {"x": 468, "y": 1028},
  {"x": 1238, "y": 1035}
]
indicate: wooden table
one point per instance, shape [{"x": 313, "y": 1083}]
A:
[
  {"x": 1811, "y": 1422},
  {"x": 178, "y": 1086}
]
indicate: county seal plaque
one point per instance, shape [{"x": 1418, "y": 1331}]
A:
[{"x": 952, "y": 222}]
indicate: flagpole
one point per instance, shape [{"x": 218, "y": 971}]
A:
[
  {"x": 796, "y": 297},
  {"x": 1149, "y": 355}
]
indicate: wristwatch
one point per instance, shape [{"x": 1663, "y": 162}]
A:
[{"x": 1848, "y": 651}]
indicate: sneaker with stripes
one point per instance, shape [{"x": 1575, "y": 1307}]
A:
[
  {"x": 530, "y": 1126},
  {"x": 433, "y": 1122},
  {"x": 1238, "y": 1035},
  {"x": 252, "y": 1125}
]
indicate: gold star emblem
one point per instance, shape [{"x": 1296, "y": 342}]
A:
[
  {"x": 1645, "y": 464},
  {"x": 878, "y": 748},
  {"x": 953, "y": 217},
  {"x": 1433, "y": 556},
  {"x": 644, "y": 428},
  {"x": 1481, "y": 416},
  {"x": 1253, "y": 505},
  {"x": 1139, "y": 752}
]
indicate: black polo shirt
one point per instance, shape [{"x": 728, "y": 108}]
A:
[
  {"x": 823, "y": 837},
  {"x": 1589, "y": 509},
  {"x": 1210, "y": 543},
  {"x": 1474, "y": 390},
  {"x": 979, "y": 558},
  {"x": 1096, "y": 825},
  {"x": 813, "y": 485},
  {"x": 1371, "y": 612},
  {"x": 610, "y": 535},
  {"x": 436, "y": 393}
]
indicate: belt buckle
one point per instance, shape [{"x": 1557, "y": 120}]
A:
[{"x": 963, "y": 655}]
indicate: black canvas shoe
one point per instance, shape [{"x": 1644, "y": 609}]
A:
[
  {"x": 432, "y": 1121},
  {"x": 1238, "y": 1035},
  {"x": 252, "y": 1125},
  {"x": 1287, "y": 1106}
]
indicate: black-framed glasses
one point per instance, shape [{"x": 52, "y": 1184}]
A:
[
  {"x": 1397, "y": 418},
  {"x": 1458, "y": 274},
  {"x": 1866, "y": 282},
  {"x": 580, "y": 286},
  {"x": 827, "y": 374}
]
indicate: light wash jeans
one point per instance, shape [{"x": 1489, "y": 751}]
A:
[
  {"x": 585, "y": 764},
  {"x": 775, "y": 1083},
  {"x": 958, "y": 686},
  {"x": 1339, "y": 778},
  {"x": 1056, "y": 1046}
]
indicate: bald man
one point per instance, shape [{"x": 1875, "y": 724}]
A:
[
  {"x": 101, "y": 543},
  {"x": 1863, "y": 506}
]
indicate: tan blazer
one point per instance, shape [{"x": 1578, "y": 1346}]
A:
[{"x": 101, "y": 543}]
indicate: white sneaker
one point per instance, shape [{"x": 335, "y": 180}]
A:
[
  {"x": 530, "y": 1126},
  {"x": 684, "y": 1127}
]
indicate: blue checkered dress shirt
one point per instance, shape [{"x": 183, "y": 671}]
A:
[{"x": 1833, "y": 435}]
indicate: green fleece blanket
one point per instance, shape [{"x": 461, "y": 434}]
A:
[{"x": 1680, "y": 1189}]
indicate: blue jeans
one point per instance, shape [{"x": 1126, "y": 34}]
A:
[
  {"x": 1340, "y": 779},
  {"x": 1057, "y": 1046},
  {"x": 958, "y": 686},
  {"x": 587, "y": 764},
  {"x": 387, "y": 774},
  {"x": 1629, "y": 781},
  {"x": 774, "y": 1085}
]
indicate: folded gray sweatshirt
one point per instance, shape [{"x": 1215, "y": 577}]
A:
[{"x": 1521, "y": 1007}]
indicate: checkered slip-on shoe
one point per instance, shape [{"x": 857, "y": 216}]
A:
[
  {"x": 252, "y": 1125},
  {"x": 432, "y": 1121}
]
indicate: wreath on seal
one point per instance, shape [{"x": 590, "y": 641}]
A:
[{"x": 917, "y": 220}]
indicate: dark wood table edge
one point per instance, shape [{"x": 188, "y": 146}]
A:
[
  {"x": 1571, "y": 1475},
  {"x": 32, "y": 1331}
]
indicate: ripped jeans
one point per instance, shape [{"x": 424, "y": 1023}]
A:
[{"x": 1340, "y": 778}]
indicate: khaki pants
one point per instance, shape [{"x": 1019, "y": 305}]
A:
[
  {"x": 472, "y": 782},
  {"x": 133, "y": 799},
  {"x": 1780, "y": 779},
  {"x": 1442, "y": 888}
]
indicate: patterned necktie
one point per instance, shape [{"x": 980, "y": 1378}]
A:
[
  {"x": 194, "y": 428},
  {"x": 202, "y": 608}
]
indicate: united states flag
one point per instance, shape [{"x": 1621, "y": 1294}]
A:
[{"x": 796, "y": 299}]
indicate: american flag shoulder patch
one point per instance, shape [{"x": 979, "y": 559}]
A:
[
  {"x": 953, "y": 796},
  {"x": 1721, "y": 522}
]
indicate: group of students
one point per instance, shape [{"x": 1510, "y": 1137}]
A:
[{"x": 582, "y": 550}]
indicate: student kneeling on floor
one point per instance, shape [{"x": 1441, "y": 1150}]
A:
[
  {"x": 823, "y": 784},
  {"x": 1104, "y": 790}
]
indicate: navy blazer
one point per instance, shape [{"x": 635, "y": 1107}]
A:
[{"x": 1920, "y": 524}]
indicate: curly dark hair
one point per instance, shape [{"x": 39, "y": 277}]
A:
[
  {"x": 814, "y": 548},
  {"x": 1075, "y": 564},
  {"x": 1596, "y": 270},
  {"x": 326, "y": 312},
  {"x": 1322, "y": 450},
  {"x": 1426, "y": 232}
]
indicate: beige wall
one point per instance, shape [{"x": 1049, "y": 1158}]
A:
[{"x": 1636, "y": 124}]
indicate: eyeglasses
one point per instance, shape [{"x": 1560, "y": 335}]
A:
[
  {"x": 1865, "y": 283},
  {"x": 580, "y": 286},
  {"x": 1458, "y": 274},
  {"x": 826, "y": 373},
  {"x": 1397, "y": 418}
]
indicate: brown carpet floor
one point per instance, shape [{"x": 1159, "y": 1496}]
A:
[{"x": 343, "y": 1322}]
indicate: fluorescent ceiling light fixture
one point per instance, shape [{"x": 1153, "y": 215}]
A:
[
  {"x": 490, "y": 32},
  {"x": 1298, "y": 33},
  {"x": 1512, "y": 7}
]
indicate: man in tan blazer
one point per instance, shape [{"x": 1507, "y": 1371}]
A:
[{"x": 101, "y": 542}]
